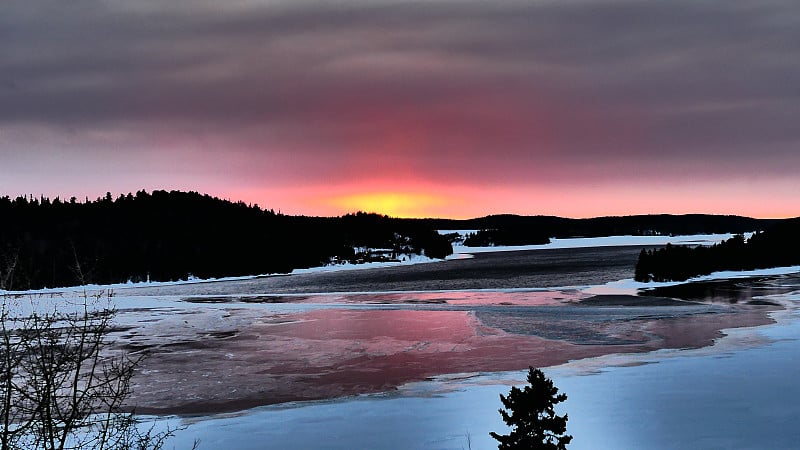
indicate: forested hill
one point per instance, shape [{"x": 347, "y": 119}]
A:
[
  {"x": 522, "y": 230},
  {"x": 173, "y": 235},
  {"x": 164, "y": 236},
  {"x": 778, "y": 246}
]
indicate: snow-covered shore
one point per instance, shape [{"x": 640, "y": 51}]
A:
[
  {"x": 459, "y": 252},
  {"x": 606, "y": 241},
  {"x": 630, "y": 287}
]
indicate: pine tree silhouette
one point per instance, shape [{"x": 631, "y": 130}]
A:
[{"x": 531, "y": 415}]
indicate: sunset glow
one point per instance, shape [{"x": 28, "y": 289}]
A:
[
  {"x": 433, "y": 109},
  {"x": 394, "y": 204}
]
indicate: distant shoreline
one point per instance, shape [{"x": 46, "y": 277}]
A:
[{"x": 459, "y": 252}]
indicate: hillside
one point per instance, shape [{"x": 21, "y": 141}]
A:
[
  {"x": 167, "y": 236},
  {"x": 164, "y": 236},
  {"x": 525, "y": 230}
]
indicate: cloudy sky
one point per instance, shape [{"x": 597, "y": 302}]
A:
[{"x": 436, "y": 108}]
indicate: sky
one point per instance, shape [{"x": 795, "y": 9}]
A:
[{"x": 445, "y": 108}]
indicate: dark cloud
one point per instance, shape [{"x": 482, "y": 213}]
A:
[{"x": 494, "y": 90}]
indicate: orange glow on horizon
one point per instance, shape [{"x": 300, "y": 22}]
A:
[
  {"x": 394, "y": 204},
  {"x": 422, "y": 198}
]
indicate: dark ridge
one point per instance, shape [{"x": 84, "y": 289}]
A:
[
  {"x": 167, "y": 236},
  {"x": 639, "y": 225},
  {"x": 509, "y": 229}
]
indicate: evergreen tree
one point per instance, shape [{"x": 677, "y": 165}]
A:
[
  {"x": 642, "y": 271},
  {"x": 531, "y": 415}
]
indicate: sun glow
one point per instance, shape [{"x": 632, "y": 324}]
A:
[{"x": 395, "y": 204}]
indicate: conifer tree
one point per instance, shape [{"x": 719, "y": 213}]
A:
[{"x": 531, "y": 415}]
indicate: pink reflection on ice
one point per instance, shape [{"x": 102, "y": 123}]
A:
[
  {"x": 268, "y": 357},
  {"x": 455, "y": 298}
]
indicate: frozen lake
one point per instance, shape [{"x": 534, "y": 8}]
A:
[
  {"x": 741, "y": 393},
  {"x": 416, "y": 356}
]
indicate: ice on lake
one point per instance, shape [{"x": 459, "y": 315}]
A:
[{"x": 742, "y": 394}]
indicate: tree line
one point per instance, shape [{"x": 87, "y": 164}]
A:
[
  {"x": 775, "y": 247},
  {"x": 508, "y": 229},
  {"x": 164, "y": 236}
]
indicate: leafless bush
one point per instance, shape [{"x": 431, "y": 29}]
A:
[{"x": 60, "y": 386}]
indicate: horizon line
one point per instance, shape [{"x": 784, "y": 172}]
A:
[{"x": 86, "y": 199}]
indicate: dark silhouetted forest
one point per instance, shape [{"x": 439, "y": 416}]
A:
[
  {"x": 529, "y": 230},
  {"x": 778, "y": 246},
  {"x": 164, "y": 236}
]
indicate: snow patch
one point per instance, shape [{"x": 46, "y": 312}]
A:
[
  {"x": 631, "y": 287},
  {"x": 606, "y": 241},
  {"x": 404, "y": 261}
]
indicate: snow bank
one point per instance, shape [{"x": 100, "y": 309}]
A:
[
  {"x": 606, "y": 241},
  {"x": 105, "y": 287},
  {"x": 405, "y": 261}
]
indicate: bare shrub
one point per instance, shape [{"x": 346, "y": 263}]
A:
[{"x": 60, "y": 385}]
